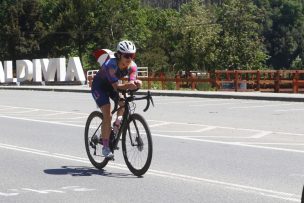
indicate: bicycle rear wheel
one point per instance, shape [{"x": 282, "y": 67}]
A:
[
  {"x": 137, "y": 145},
  {"x": 92, "y": 140}
]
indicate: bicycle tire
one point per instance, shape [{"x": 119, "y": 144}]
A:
[
  {"x": 89, "y": 143},
  {"x": 129, "y": 131}
]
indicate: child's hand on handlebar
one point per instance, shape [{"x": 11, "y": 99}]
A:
[
  {"x": 138, "y": 83},
  {"x": 132, "y": 85}
]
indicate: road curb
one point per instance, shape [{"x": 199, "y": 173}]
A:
[
  {"x": 176, "y": 93},
  {"x": 48, "y": 88}
]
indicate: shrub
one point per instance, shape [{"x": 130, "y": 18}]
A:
[{"x": 204, "y": 87}]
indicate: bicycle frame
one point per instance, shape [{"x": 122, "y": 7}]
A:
[
  {"x": 127, "y": 113},
  {"x": 123, "y": 124}
]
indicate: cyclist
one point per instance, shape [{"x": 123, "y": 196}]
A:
[{"x": 106, "y": 83}]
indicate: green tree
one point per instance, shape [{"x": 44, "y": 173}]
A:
[
  {"x": 22, "y": 29},
  {"x": 283, "y": 32},
  {"x": 79, "y": 27},
  {"x": 71, "y": 28},
  {"x": 159, "y": 46},
  {"x": 119, "y": 20},
  {"x": 196, "y": 37},
  {"x": 3, "y": 8},
  {"x": 240, "y": 42}
]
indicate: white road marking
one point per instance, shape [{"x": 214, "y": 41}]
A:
[
  {"x": 69, "y": 156},
  {"x": 287, "y": 133},
  {"x": 230, "y": 128},
  {"x": 264, "y": 194},
  {"x": 68, "y": 118},
  {"x": 159, "y": 124},
  {"x": 179, "y": 123},
  {"x": 187, "y": 131},
  {"x": 215, "y": 136},
  {"x": 23, "y": 148},
  {"x": 47, "y": 110},
  {"x": 42, "y": 121},
  {"x": 179, "y": 137},
  {"x": 206, "y": 129},
  {"x": 274, "y": 143},
  {"x": 176, "y": 176},
  {"x": 180, "y": 102},
  {"x": 260, "y": 191},
  {"x": 176, "y": 131},
  {"x": 187, "y": 101},
  {"x": 83, "y": 122},
  {"x": 249, "y": 107},
  {"x": 286, "y": 110},
  {"x": 78, "y": 189},
  {"x": 53, "y": 114},
  {"x": 19, "y": 112},
  {"x": 228, "y": 103},
  {"x": 261, "y": 134},
  {"x": 8, "y": 194},
  {"x": 228, "y": 143},
  {"x": 46, "y": 191},
  {"x": 6, "y": 108},
  {"x": 42, "y": 191}
]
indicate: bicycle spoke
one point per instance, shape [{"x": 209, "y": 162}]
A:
[
  {"x": 95, "y": 131},
  {"x": 137, "y": 153},
  {"x": 92, "y": 140},
  {"x": 137, "y": 145}
]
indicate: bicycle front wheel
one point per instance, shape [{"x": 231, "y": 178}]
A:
[
  {"x": 92, "y": 140},
  {"x": 137, "y": 145}
]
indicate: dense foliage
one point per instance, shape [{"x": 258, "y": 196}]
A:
[{"x": 170, "y": 35}]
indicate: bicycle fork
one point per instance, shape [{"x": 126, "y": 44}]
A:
[{"x": 138, "y": 141}]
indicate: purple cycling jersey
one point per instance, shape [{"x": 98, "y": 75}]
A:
[
  {"x": 111, "y": 73},
  {"x": 108, "y": 74}
]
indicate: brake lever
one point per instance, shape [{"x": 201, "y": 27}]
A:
[
  {"x": 149, "y": 98},
  {"x": 148, "y": 104}
]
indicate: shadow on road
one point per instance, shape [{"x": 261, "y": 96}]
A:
[{"x": 85, "y": 171}]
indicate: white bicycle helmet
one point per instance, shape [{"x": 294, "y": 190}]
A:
[{"x": 126, "y": 47}]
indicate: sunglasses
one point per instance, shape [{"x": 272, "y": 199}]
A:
[{"x": 127, "y": 56}]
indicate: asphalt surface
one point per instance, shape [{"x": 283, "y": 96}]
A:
[{"x": 205, "y": 150}]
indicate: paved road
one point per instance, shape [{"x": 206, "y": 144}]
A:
[{"x": 205, "y": 150}]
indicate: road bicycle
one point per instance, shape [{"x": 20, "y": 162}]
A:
[
  {"x": 302, "y": 198},
  {"x": 134, "y": 133}
]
